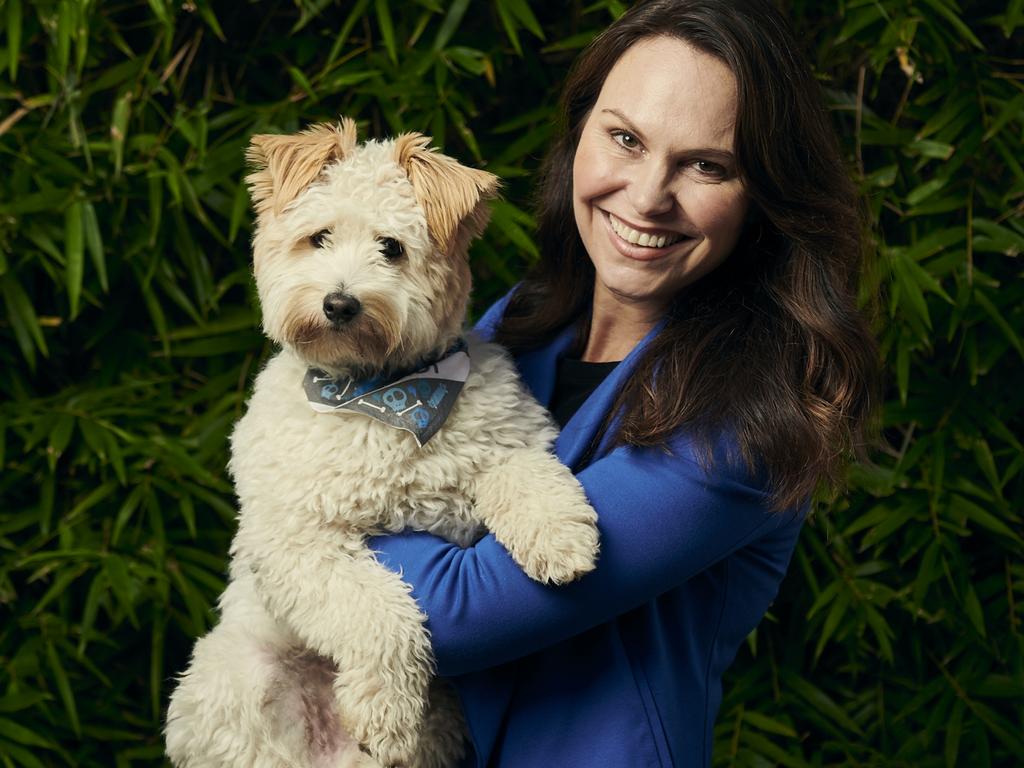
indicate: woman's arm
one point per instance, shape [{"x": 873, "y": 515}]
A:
[{"x": 662, "y": 519}]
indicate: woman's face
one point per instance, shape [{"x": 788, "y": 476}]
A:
[{"x": 657, "y": 199}]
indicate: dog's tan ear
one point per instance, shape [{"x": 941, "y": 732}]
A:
[
  {"x": 284, "y": 165},
  {"x": 453, "y": 197}
]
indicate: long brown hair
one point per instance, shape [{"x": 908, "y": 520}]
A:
[{"x": 771, "y": 346}]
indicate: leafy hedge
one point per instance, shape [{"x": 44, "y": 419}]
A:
[{"x": 129, "y": 334}]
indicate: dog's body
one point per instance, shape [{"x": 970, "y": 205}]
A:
[{"x": 320, "y": 657}]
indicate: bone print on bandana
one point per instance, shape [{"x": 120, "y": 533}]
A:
[{"x": 418, "y": 402}]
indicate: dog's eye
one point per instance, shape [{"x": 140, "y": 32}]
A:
[
  {"x": 317, "y": 239},
  {"x": 390, "y": 247}
]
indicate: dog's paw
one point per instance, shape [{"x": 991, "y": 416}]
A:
[
  {"x": 556, "y": 549},
  {"x": 388, "y": 754},
  {"x": 385, "y": 731}
]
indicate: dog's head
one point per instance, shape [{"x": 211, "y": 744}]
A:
[{"x": 360, "y": 249}]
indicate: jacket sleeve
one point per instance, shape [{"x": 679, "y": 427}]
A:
[{"x": 662, "y": 519}]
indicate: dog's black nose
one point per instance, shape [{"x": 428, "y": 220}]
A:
[{"x": 340, "y": 308}]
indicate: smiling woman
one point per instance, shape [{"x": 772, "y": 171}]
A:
[{"x": 702, "y": 120}]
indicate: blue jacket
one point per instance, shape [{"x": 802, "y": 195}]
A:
[{"x": 623, "y": 668}]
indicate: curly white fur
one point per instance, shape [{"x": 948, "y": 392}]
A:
[{"x": 321, "y": 657}]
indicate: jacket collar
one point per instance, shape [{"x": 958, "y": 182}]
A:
[{"x": 538, "y": 368}]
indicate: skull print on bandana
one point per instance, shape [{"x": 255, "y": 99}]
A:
[{"x": 418, "y": 402}]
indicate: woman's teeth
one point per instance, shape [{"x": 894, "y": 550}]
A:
[{"x": 633, "y": 237}]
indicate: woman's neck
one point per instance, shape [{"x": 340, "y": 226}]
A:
[{"x": 616, "y": 327}]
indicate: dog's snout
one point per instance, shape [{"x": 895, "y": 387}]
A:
[{"x": 340, "y": 308}]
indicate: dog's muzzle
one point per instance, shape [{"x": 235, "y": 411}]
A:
[{"x": 340, "y": 308}]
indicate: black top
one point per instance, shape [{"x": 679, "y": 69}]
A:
[{"x": 574, "y": 381}]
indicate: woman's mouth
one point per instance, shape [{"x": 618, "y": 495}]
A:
[
  {"x": 642, "y": 246},
  {"x": 642, "y": 239}
]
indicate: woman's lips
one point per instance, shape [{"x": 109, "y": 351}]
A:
[{"x": 636, "y": 244}]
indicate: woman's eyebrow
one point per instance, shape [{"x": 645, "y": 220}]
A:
[
  {"x": 626, "y": 121},
  {"x": 714, "y": 153}
]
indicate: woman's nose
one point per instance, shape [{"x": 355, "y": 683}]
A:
[{"x": 650, "y": 190}]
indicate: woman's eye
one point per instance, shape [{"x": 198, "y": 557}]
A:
[
  {"x": 390, "y": 247},
  {"x": 317, "y": 239},
  {"x": 626, "y": 139},
  {"x": 709, "y": 169}
]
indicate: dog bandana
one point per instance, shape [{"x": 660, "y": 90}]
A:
[{"x": 418, "y": 402}]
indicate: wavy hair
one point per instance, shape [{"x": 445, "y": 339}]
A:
[{"x": 771, "y": 346}]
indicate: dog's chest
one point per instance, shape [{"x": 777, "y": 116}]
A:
[{"x": 347, "y": 467}]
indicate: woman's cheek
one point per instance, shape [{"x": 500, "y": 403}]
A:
[{"x": 722, "y": 207}]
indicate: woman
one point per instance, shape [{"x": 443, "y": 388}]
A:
[{"x": 692, "y": 323}]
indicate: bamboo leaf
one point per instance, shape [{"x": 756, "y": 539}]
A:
[
  {"x": 973, "y": 609},
  {"x": 768, "y": 724},
  {"x": 778, "y": 755},
  {"x": 959, "y": 504},
  {"x": 121, "y": 584},
  {"x": 1012, "y": 110},
  {"x": 64, "y": 688},
  {"x": 62, "y": 581},
  {"x": 91, "y": 499},
  {"x": 935, "y": 149},
  {"x": 11, "y": 730},
  {"x": 61, "y": 436},
  {"x": 832, "y": 619},
  {"x": 66, "y": 19},
  {"x": 954, "y": 20},
  {"x": 14, "y": 19},
  {"x": 922, "y": 192},
  {"x": 207, "y": 14},
  {"x": 239, "y": 205},
  {"x": 156, "y": 667},
  {"x": 160, "y": 11},
  {"x": 74, "y": 253},
  {"x": 94, "y": 242},
  {"x": 823, "y": 704},
  {"x": 452, "y": 19},
  {"x": 1005, "y": 732},
  {"x": 387, "y": 29},
  {"x": 15, "y": 702},
  {"x": 990, "y": 309},
  {"x": 883, "y": 633},
  {"x": 355, "y": 15},
  {"x": 520, "y": 10},
  {"x": 22, "y": 755},
  {"x": 97, "y": 591},
  {"x": 119, "y": 130},
  {"x": 953, "y": 731},
  {"x": 508, "y": 21},
  {"x": 188, "y": 513},
  {"x": 300, "y": 80},
  {"x": 23, "y": 319},
  {"x": 858, "y": 19}
]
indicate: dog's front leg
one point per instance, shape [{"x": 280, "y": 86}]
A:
[
  {"x": 328, "y": 589},
  {"x": 537, "y": 510}
]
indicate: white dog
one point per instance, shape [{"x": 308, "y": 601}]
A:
[{"x": 321, "y": 657}]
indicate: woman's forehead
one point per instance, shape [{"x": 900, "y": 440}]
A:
[{"x": 666, "y": 86}]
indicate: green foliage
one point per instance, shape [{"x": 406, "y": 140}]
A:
[{"x": 129, "y": 334}]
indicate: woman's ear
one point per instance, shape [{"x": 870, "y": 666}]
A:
[
  {"x": 283, "y": 165},
  {"x": 453, "y": 197}
]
